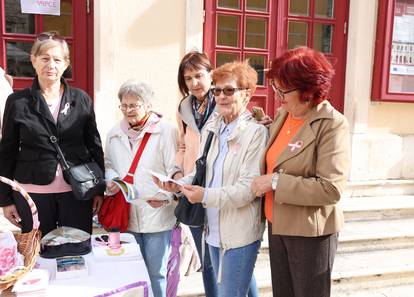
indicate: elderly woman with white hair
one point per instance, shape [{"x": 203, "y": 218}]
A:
[{"x": 151, "y": 217}]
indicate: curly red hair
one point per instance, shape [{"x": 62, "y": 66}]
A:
[{"x": 305, "y": 69}]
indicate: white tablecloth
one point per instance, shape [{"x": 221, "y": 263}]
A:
[{"x": 103, "y": 277}]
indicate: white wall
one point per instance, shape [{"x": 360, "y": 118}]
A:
[{"x": 143, "y": 40}]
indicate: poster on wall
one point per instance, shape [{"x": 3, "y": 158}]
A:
[{"x": 51, "y": 7}]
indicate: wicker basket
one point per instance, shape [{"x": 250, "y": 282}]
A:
[{"x": 28, "y": 244}]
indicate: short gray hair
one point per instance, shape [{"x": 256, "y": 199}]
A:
[{"x": 140, "y": 89}]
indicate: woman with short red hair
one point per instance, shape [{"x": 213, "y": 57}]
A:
[{"x": 304, "y": 171}]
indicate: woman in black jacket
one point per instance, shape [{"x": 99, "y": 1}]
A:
[{"x": 27, "y": 154}]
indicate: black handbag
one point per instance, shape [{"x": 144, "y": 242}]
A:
[
  {"x": 86, "y": 180},
  {"x": 185, "y": 211}
]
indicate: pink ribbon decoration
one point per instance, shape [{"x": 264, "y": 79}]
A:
[
  {"x": 236, "y": 148},
  {"x": 297, "y": 145}
]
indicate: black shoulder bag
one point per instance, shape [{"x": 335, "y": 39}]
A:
[
  {"x": 86, "y": 179},
  {"x": 186, "y": 212}
]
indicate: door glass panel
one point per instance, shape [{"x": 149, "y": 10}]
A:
[
  {"x": 256, "y": 33},
  {"x": 228, "y": 30},
  {"x": 18, "y": 59},
  {"x": 62, "y": 23},
  {"x": 69, "y": 71},
  {"x": 233, "y": 4},
  {"x": 401, "y": 76},
  {"x": 17, "y": 22},
  {"x": 256, "y": 5},
  {"x": 299, "y": 7},
  {"x": 324, "y": 8},
  {"x": 322, "y": 37},
  {"x": 298, "y": 34},
  {"x": 222, "y": 58},
  {"x": 257, "y": 62}
]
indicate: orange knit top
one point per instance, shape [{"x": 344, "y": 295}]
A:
[{"x": 289, "y": 129}]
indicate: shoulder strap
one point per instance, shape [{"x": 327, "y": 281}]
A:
[
  {"x": 54, "y": 141},
  {"x": 208, "y": 143},
  {"x": 130, "y": 176}
]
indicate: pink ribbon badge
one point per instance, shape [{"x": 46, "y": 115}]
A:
[
  {"x": 236, "y": 148},
  {"x": 297, "y": 145}
]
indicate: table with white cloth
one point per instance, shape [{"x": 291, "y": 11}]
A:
[{"x": 105, "y": 278}]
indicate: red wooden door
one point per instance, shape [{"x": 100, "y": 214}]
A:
[
  {"x": 263, "y": 29},
  {"x": 239, "y": 30},
  {"x": 18, "y": 32}
]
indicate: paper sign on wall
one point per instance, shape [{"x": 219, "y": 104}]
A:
[{"x": 41, "y": 6}]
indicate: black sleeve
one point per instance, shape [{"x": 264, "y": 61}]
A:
[
  {"x": 92, "y": 137},
  {"x": 9, "y": 149}
]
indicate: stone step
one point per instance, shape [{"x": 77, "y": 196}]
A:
[
  {"x": 361, "y": 236},
  {"x": 378, "y": 207},
  {"x": 392, "y": 291},
  {"x": 379, "y": 188},
  {"x": 356, "y": 271},
  {"x": 374, "y": 269}
]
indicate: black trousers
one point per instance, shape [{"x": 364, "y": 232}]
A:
[
  {"x": 301, "y": 266},
  {"x": 55, "y": 210}
]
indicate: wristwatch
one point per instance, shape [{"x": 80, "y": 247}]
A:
[{"x": 275, "y": 180}]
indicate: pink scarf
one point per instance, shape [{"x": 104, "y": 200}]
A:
[{"x": 132, "y": 134}]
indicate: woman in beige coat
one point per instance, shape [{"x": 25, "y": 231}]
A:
[{"x": 304, "y": 171}]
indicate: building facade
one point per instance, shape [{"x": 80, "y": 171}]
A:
[{"x": 369, "y": 42}]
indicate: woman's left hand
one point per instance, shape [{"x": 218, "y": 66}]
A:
[
  {"x": 157, "y": 201},
  {"x": 194, "y": 194},
  {"x": 261, "y": 185},
  {"x": 266, "y": 121},
  {"x": 97, "y": 203}
]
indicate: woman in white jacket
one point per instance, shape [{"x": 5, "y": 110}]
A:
[{"x": 152, "y": 215}]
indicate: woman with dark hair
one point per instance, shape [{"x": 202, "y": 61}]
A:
[
  {"x": 27, "y": 154},
  {"x": 304, "y": 171}
]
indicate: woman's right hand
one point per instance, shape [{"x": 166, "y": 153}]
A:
[
  {"x": 112, "y": 188},
  {"x": 166, "y": 186},
  {"x": 11, "y": 214},
  {"x": 261, "y": 184}
]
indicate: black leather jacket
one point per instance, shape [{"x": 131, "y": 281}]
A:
[{"x": 26, "y": 153}]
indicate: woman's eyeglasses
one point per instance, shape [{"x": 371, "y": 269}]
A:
[
  {"x": 132, "y": 107},
  {"x": 280, "y": 93},
  {"x": 46, "y": 36},
  {"x": 228, "y": 91}
]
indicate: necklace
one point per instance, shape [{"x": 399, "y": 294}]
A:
[
  {"x": 293, "y": 124},
  {"x": 53, "y": 97}
]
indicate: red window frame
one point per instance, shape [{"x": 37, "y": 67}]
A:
[
  {"x": 212, "y": 48},
  {"x": 337, "y": 56},
  {"x": 278, "y": 16},
  {"x": 382, "y": 60},
  {"x": 81, "y": 43}
]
